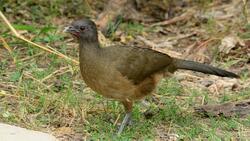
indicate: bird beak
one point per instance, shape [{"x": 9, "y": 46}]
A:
[
  {"x": 72, "y": 30},
  {"x": 68, "y": 29}
]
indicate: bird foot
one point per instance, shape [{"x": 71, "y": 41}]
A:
[{"x": 126, "y": 121}]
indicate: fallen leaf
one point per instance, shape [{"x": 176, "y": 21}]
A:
[
  {"x": 229, "y": 109},
  {"x": 221, "y": 85},
  {"x": 229, "y": 42}
]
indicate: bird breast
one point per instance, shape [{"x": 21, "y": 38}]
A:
[{"x": 106, "y": 80}]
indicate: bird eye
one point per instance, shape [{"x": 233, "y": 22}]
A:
[{"x": 82, "y": 28}]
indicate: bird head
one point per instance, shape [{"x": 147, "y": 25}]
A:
[{"x": 84, "y": 30}]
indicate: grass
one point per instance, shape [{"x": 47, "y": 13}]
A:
[
  {"x": 43, "y": 92},
  {"x": 132, "y": 28},
  {"x": 37, "y": 107}
]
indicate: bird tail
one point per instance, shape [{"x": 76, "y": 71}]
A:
[{"x": 195, "y": 66}]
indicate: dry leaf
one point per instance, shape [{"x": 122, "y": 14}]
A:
[
  {"x": 229, "y": 42},
  {"x": 223, "y": 84},
  {"x": 229, "y": 109}
]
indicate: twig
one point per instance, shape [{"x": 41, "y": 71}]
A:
[
  {"x": 48, "y": 49},
  {"x": 7, "y": 85},
  {"x": 88, "y": 5},
  {"x": 8, "y": 24},
  {"x": 154, "y": 46},
  {"x": 118, "y": 117},
  {"x": 53, "y": 73},
  {"x": 200, "y": 49},
  {"x": 185, "y": 16},
  {"x": 245, "y": 11},
  {"x": 41, "y": 83},
  {"x": 183, "y": 36},
  {"x": 19, "y": 84},
  {"x": 5, "y": 45},
  {"x": 203, "y": 100},
  {"x": 205, "y": 43},
  {"x": 3, "y": 93},
  {"x": 188, "y": 75},
  {"x": 147, "y": 42},
  {"x": 30, "y": 57}
]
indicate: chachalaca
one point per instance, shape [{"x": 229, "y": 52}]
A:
[{"x": 126, "y": 73}]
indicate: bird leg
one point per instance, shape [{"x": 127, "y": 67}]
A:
[
  {"x": 125, "y": 122},
  {"x": 128, "y": 109}
]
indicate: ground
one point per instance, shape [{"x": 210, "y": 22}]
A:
[{"x": 44, "y": 92}]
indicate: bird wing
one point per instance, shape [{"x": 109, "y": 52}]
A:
[{"x": 137, "y": 63}]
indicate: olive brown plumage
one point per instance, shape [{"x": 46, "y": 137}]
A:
[{"x": 126, "y": 73}]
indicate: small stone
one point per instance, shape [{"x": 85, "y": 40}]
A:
[
  {"x": 206, "y": 83},
  {"x": 14, "y": 133}
]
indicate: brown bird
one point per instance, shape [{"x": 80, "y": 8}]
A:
[{"x": 126, "y": 73}]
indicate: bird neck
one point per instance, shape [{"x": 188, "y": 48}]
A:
[
  {"x": 89, "y": 45},
  {"x": 89, "y": 50}
]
